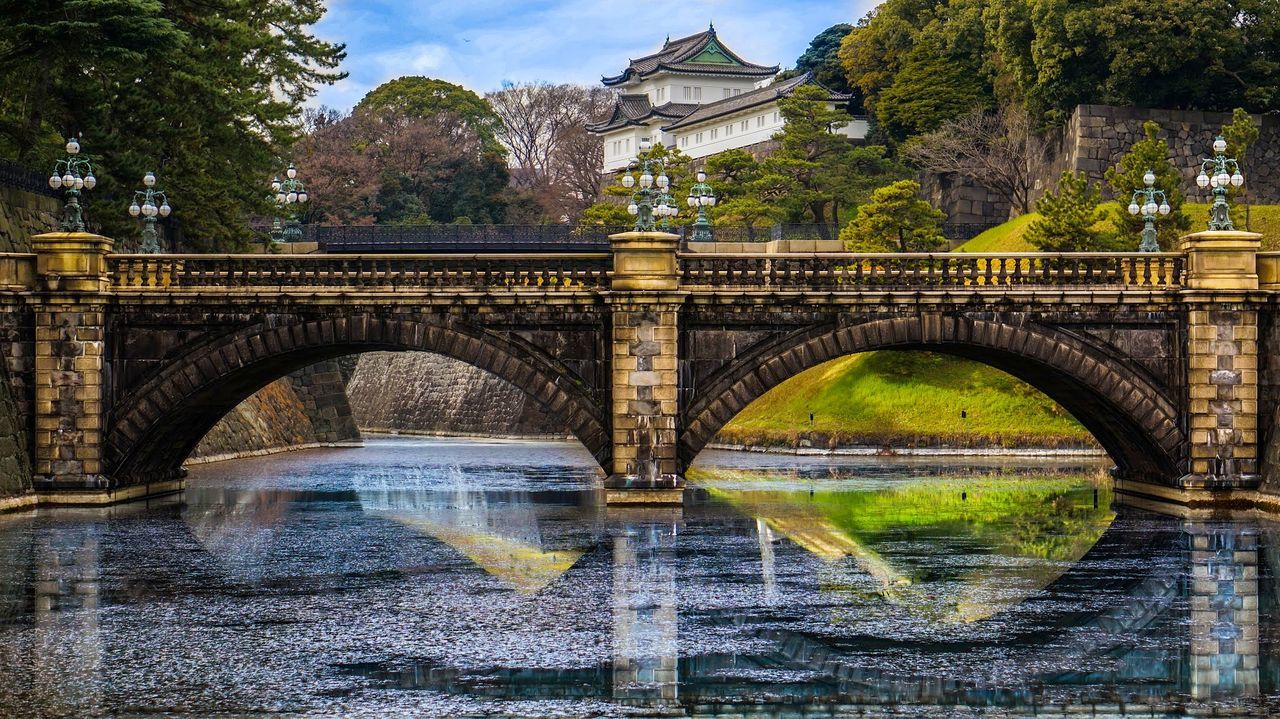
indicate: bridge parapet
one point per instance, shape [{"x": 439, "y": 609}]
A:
[
  {"x": 17, "y": 272},
  {"x": 851, "y": 271},
  {"x": 371, "y": 272}
]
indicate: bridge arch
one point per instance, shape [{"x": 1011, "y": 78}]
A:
[
  {"x": 1128, "y": 413},
  {"x": 153, "y": 429}
]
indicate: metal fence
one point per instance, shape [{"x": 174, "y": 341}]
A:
[
  {"x": 25, "y": 178},
  {"x": 348, "y": 239}
]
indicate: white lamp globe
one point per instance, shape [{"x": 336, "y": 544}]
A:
[
  {"x": 645, "y": 145},
  {"x": 149, "y": 210},
  {"x": 1237, "y": 180},
  {"x": 712, "y": 199},
  {"x": 73, "y": 146},
  {"x": 134, "y": 210},
  {"x": 292, "y": 172},
  {"x": 632, "y": 209},
  {"x": 702, "y": 177},
  {"x": 79, "y": 183},
  {"x": 1219, "y": 145},
  {"x": 68, "y": 180},
  {"x": 646, "y": 181},
  {"x": 1224, "y": 179},
  {"x": 90, "y": 182},
  {"x": 663, "y": 182},
  {"x": 1149, "y": 179},
  {"x": 1134, "y": 209},
  {"x": 291, "y": 197},
  {"x": 280, "y": 197},
  {"x": 55, "y": 181},
  {"x": 693, "y": 201},
  {"x": 1151, "y": 208},
  {"x": 1165, "y": 208},
  {"x": 165, "y": 210},
  {"x": 302, "y": 197},
  {"x": 628, "y": 181},
  {"x": 149, "y": 179},
  {"x": 1202, "y": 180},
  {"x": 275, "y": 185}
]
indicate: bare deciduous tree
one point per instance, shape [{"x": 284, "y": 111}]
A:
[
  {"x": 552, "y": 154},
  {"x": 999, "y": 150}
]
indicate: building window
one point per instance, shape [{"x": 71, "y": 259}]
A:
[
  {"x": 688, "y": 92},
  {"x": 728, "y": 129},
  {"x": 697, "y": 94},
  {"x": 726, "y": 92},
  {"x": 684, "y": 141},
  {"x": 698, "y": 139},
  {"x": 715, "y": 132},
  {"x": 737, "y": 92},
  {"x": 628, "y": 145},
  {"x": 760, "y": 121},
  {"x": 744, "y": 125},
  {"x": 776, "y": 118}
]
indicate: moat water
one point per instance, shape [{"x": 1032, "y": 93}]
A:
[{"x": 441, "y": 578}]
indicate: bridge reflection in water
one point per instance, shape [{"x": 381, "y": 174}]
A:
[{"x": 861, "y": 588}]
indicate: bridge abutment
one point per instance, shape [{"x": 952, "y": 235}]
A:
[{"x": 70, "y": 333}]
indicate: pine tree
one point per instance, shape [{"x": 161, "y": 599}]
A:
[
  {"x": 895, "y": 220},
  {"x": 1151, "y": 154},
  {"x": 1068, "y": 218}
]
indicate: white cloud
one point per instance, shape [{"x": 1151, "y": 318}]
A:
[{"x": 483, "y": 43}]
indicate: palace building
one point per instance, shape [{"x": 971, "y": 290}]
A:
[{"x": 698, "y": 95}]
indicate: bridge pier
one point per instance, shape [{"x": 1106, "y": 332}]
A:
[
  {"x": 644, "y": 306},
  {"x": 1222, "y": 360}
]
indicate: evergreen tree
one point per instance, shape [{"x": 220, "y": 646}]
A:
[
  {"x": 1068, "y": 218},
  {"x": 822, "y": 58},
  {"x": 1151, "y": 154},
  {"x": 1240, "y": 134},
  {"x": 895, "y": 220},
  {"x": 207, "y": 93},
  {"x": 426, "y": 98}
]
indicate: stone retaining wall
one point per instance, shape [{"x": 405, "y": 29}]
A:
[
  {"x": 419, "y": 392},
  {"x": 1097, "y": 136},
  {"x": 23, "y": 214},
  {"x": 306, "y": 409}
]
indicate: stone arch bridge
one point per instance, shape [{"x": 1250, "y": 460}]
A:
[{"x": 121, "y": 363}]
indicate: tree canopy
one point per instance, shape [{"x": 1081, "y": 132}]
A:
[
  {"x": 895, "y": 220},
  {"x": 822, "y": 58},
  {"x": 206, "y": 93}
]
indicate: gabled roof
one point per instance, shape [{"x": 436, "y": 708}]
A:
[
  {"x": 636, "y": 109},
  {"x": 701, "y": 54},
  {"x": 747, "y": 100}
]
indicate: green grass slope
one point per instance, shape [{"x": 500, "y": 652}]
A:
[
  {"x": 1010, "y": 236},
  {"x": 904, "y": 399}
]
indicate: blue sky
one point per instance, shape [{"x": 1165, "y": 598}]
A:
[{"x": 482, "y": 43}]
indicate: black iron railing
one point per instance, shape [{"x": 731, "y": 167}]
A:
[{"x": 25, "y": 178}]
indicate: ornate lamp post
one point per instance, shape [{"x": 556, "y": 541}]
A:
[
  {"x": 289, "y": 191},
  {"x": 1220, "y": 171},
  {"x": 1149, "y": 210},
  {"x": 701, "y": 197},
  {"x": 648, "y": 203},
  {"x": 72, "y": 174},
  {"x": 154, "y": 202}
]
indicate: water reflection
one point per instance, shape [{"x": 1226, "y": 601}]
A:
[{"x": 430, "y": 579}]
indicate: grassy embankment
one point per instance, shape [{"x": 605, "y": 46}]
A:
[{"x": 916, "y": 399}]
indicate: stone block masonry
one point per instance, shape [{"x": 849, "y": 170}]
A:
[
  {"x": 425, "y": 393},
  {"x": 308, "y": 408}
]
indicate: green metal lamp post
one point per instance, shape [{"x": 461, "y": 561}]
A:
[
  {"x": 647, "y": 203},
  {"x": 72, "y": 174},
  {"x": 1220, "y": 171},
  {"x": 154, "y": 203},
  {"x": 1149, "y": 209},
  {"x": 289, "y": 191},
  {"x": 701, "y": 197}
]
